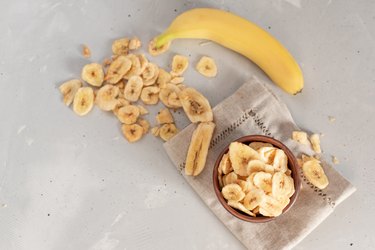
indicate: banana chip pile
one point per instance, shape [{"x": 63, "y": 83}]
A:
[
  {"x": 255, "y": 179},
  {"x": 121, "y": 83}
]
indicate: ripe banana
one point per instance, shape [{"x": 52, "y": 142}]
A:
[
  {"x": 242, "y": 36},
  {"x": 198, "y": 149}
]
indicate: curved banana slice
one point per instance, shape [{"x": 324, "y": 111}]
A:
[
  {"x": 255, "y": 166},
  {"x": 257, "y": 145},
  {"x": 133, "y": 88},
  {"x": 253, "y": 198},
  {"x": 245, "y": 185},
  {"x": 155, "y": 51},
  {"x": 135, "y": 69},
  {"x": 198, "y": 148},
  {"x": 117, "y": 69},
  {"x": 240, "y": 155},
  {"x": 195, "y": 105},
  {"x": 145, "y": 125},
  {"x": 120, "y": 46},
  {"x": 263, "y": 181},
  {"x": 169, "y": 96},
  {"x": 267, "y": 154},
  {"x": 179, "y": 65},
  {"x": 167, "y": 131},
  {"x": 163, "y": 78},
  {"x": 315, "y": 174},
  {"x": 233, "y": 192},
  {"x": 152, "y": 80},
  {"x": 135, "y": 43},
  {"x": 270, "y": 206},
  {"x": 150, "y": 95},
  {"x": 280, "y": 161},
  {"x": 83, "y": 101},
  {"x": 93, "y": 74},
  {"x": 69, "y": 89},
  {"x": 225, "y": 165},
  {"x": 133, "y": 132},
  {"x": 207, "y": 66},
  {"x": 121, "y": 102},
  {"x": 149, "y": 72},
  {"x": 177, "y": 80},
  {"x": 106, "y": 97},
  {"x": 230, "y": 178},
  {"x": 239, "y": 206},
  {"x": 282, "y": 185},
  {"x": 143, "y": 62},
  {"x": 164, "y": 116},
  {"x": 128, "y": 114}
]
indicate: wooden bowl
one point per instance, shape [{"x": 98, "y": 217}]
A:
[{"x": 292, "y": 164}]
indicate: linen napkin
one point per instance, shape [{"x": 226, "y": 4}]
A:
[{"x": 254, "y": 109}]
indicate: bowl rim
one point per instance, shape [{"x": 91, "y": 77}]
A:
[{"x": 292, "y": 165}]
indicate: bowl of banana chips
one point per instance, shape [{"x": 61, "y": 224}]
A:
[{"x": 256, "y": 178}]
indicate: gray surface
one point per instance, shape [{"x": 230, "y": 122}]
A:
[{"x": 68, "y": 182}]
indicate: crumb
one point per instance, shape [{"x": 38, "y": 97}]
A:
[
  {"x": 86, "y": 52},
  {"x": 331, "y": 119},
  {"x": 335, "y": 160}
]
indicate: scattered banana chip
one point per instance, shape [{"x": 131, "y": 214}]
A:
[
  {"x": 261, "y": 172},
  {"x": 179, "y": 65},
  {"x": 117, "y": 69},
  {"x": 69, "y": 89},
  {"x": 195, "y": 105},
  {"x": 83, "y": 101},
  {"x": 128, "y": 114},
  {"x": 314, "y": 173},
  {"x": 143, "y": 62},
  {"x": 134, "y": 43},
  {"x": 133, "y": 132},
  {"x": 315, "y": 143},
  {"x": 106, "y": 97},
  {"x": 153, "y": 79},
  {"x": 207, "y": 66},
  {"x": 335, "y": 160},
  {"x": 163, "y": 78},
  {"x": 164, "y": 116},
  {"x": 155, "y": 131},
  {"x": 142, "y": 110},
  {"x": 150, "y": 95},
  {"x": 133, "y": 89},
  {"x": 177, "y": 80},
  {"x": 145, "y": 125},
  {"x": 120, "y": 46},
  {"x": 169, "y": 96},
  {"x": 93, "y": 74},
  {"x": 154, "y": 51},
  {"x": 149, "y": 72},
  {"x": 300, "y": 137},
  {"x": 167, "y": 131},
  {"x": 135, "y": 69}
]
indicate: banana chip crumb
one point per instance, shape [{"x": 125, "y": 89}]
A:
[
  {"x": 335, "y": 160},
  {"x": 86, "y": 52}
]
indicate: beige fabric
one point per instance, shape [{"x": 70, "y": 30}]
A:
[{"x": 253, "y": 109}]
